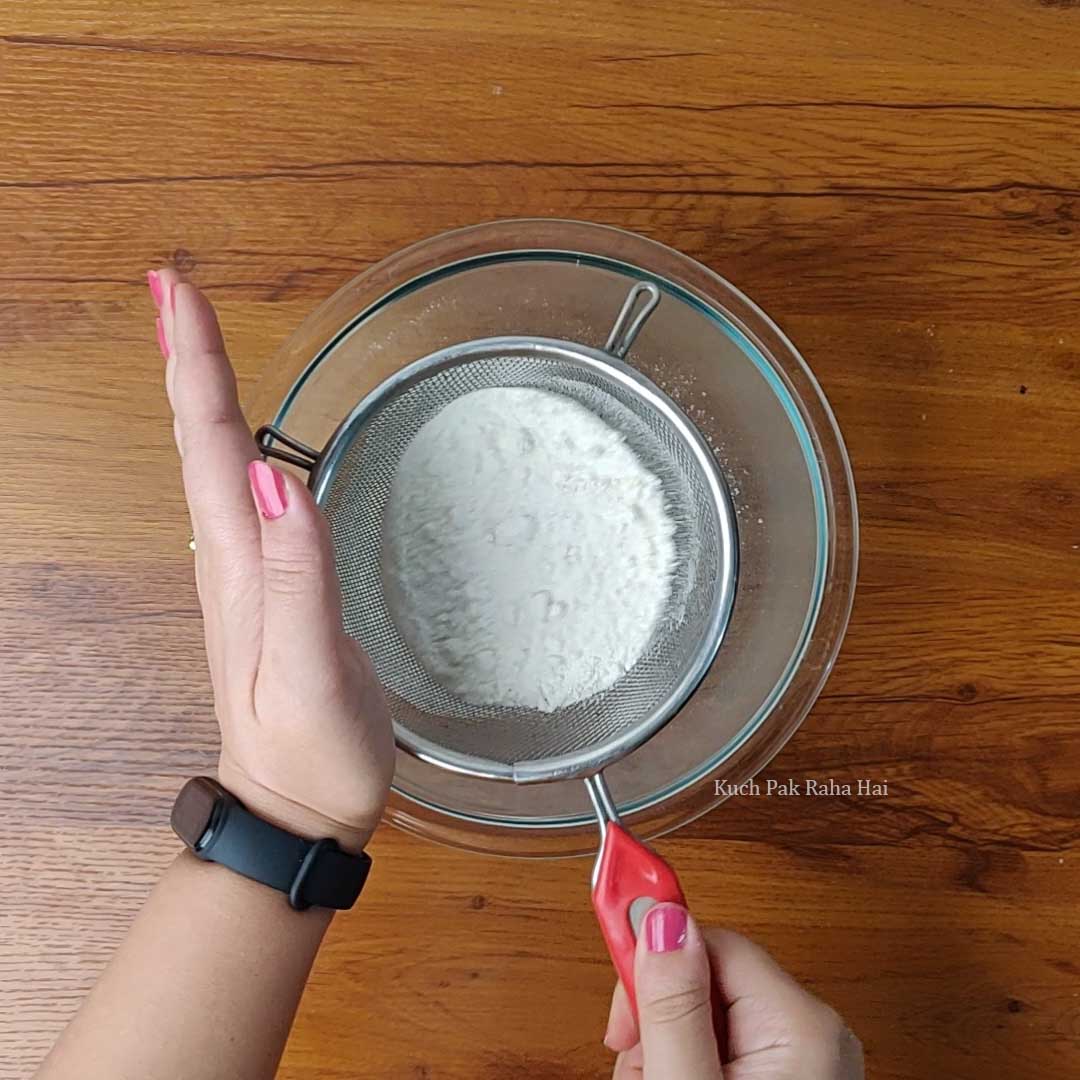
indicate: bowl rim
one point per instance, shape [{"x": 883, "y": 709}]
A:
[{"x": 678, "y": 803}]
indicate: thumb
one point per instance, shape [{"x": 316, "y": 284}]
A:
[
  {"x": 301, "y": 596},
  {"x": 673, "y": 989}
]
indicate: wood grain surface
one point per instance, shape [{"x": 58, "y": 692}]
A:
[{"x": 898, "y": 183}]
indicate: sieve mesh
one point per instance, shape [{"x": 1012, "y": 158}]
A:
[{"x": 353, "y": 482}]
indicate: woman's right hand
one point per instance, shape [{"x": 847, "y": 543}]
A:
[{"x": 715, "y": 1006}]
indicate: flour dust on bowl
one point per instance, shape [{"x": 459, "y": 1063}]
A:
[{"x": 713, "y": 402}]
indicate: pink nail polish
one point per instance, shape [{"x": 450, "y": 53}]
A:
[
  {"x": 268, "y": 487},
  {"x": 156, "y": 291},
  {"x": 665, "y": 928},
  {"x": 162, "y": 343}
]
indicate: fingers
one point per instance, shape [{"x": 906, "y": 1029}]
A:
[
  {"x": 743, "y": 969},
  {"x": 766, "y": 1008},
  {"x": 216, "y": 446},
  {"x": 674, "y": 995},
  {"x": 162, "y": 283},
  {"x": 622, "y": 1029},
  {"x": 301, "y": 597},
  {"x": 629, "y": 1065},
  {"x": 757, "y": 1011},
  {"x": 215, "y": 440}
]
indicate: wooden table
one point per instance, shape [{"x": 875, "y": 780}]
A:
[{"x": 898, "y": 183}]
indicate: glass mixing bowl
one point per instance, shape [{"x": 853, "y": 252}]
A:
[{"x": 757, "y": 404}]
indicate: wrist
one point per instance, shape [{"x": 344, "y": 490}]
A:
[
  {"x": 227, "y": 890},
  {"x": 295, "y": 817}
]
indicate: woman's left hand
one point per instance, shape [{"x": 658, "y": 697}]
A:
[{"x": 306, "y": 740}]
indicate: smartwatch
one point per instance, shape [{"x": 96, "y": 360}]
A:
[{"x": 218, "y": 828}]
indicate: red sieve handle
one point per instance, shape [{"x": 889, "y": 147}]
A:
[{"x": 628, "y": 871}]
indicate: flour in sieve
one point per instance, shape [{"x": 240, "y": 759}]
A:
[{"x": 528, "y": 549}]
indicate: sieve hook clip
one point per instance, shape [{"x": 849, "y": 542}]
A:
[
  {"x": 304, "y": 458},
  {"x": 627, "y": 324}
]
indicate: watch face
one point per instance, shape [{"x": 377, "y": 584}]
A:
[{"x": 193, "y": 811}]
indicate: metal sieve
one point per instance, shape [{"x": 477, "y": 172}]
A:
[{"x": 351, "y": 478}]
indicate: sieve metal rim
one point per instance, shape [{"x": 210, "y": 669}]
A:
[{"x": 323, "y": 465}]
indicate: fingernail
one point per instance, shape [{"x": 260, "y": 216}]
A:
[
  {"x": 665, "y": 928},
  {"x": 156, "y": 291},
  {"x": 162, "y": 343},
  {"x": 268, "y": 487}
]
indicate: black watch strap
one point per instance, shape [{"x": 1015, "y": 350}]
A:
[{"x": 312, "y": 873}]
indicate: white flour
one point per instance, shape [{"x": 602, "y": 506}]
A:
[{"x": 528, "y": 549}]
